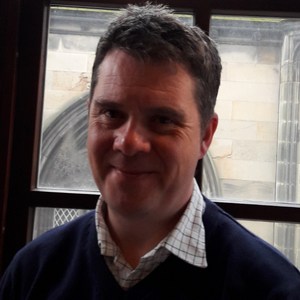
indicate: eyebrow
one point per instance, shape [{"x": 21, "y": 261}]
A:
[
  {"x": 177, "y": 115},
  {"x": 107, "y": 103}
]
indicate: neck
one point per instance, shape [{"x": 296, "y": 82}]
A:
[{"x": 137, "y": 236}]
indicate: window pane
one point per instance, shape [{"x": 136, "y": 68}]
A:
[
  {"x": 255, "y": 148},
  {"x": 72, "y": 40},
  {"x": 47, "y": 218}
]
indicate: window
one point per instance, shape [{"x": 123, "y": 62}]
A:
[
  {"x": 26, "y": 93},
  {"x": 258, "y": 108}
]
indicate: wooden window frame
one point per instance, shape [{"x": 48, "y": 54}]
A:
[{"x": 23, "y": 25}]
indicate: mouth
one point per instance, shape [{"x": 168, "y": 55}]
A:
[{"x": 131, "y": 172}]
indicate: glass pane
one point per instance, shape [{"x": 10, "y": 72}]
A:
[
  {"x": 47, "y": 218},
  {"x": 72, "y": 39},
  {"x": 255, "y": 148},
  {"x": 283, "y": 236}
]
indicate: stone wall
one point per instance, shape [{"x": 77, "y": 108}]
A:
[
  {"x": 244, "y": 147},
  {"x": 68, "y": 72}
]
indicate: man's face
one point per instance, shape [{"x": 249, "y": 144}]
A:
[{"x": 144, "y": 137}]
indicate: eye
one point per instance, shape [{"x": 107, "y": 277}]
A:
[
  {"x": 111, "y": 117},
  {"x": 112, "y": 113},
  {"x": 164, "y": 120},
  {"x": 162, "y": 124}
]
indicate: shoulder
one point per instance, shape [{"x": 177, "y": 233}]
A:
[
  {"x": 51, "y": 255},
  {"x": 243, "y": 255},
  {"x": 224, "y": 232},
  {"x": 56, "y": 238},
  {"x": 219, "y": 224}
]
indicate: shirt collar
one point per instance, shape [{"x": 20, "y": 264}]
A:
[
  {"x": 187, "y": 239},
  {"x": 105, "y": 241}
]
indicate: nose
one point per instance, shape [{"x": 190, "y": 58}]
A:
[{"x": 131, "y": 138}]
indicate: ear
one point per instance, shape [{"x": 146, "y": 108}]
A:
[{"x": 208, "y": 135}]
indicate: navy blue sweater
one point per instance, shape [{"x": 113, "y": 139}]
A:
[{"x": 65, "y": 263}]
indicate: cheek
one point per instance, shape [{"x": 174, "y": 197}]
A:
[
  {"x": 181, "y": 157},
  {"x": 98, "y": 144},
  {"x": 172, "y": 154}
]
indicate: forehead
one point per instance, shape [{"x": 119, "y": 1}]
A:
[{"x": 120, "y": 71}]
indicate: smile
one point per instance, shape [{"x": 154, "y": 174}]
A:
[{"x": 131, "y": 173}]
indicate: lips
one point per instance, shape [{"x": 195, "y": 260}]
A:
[
  {"x": 130, "y": 172},
  {"x": 133, "y": 172}
]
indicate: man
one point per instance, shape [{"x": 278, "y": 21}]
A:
[{"x": 151, "y": 118}]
